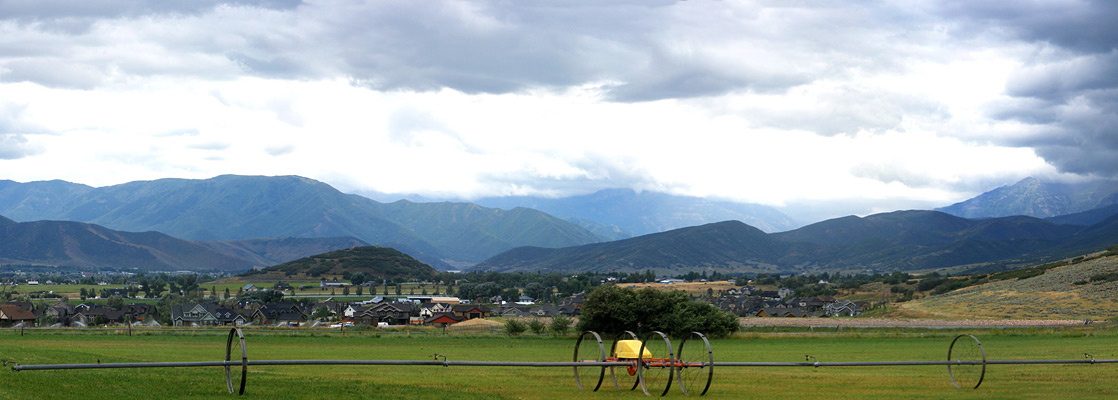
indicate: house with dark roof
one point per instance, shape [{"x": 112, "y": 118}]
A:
[
  {"x": 269, "y": 313},
  {"x": 11, "y": 315},
  {"x": 470, "y": 311},
  {"x": 140, "y": 311},
  {"x": 193, "y": 314},
  {"x": 99, "y": 315}
]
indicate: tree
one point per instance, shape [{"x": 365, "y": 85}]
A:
[
  {"x": 358, "y": 278},
  {"x": 514, "y": 327},
  {"x": 115, "y": 302},
  {"x": 397, "y": 289},
  {"x": 321, "y": 313},
  {"x": 226, "y": 296},
  {"x": 611, "y": 309},
  {"x": 345, "y": 291},
  {"x": 537, "y": 291},
  {"x": 560, "y": 324},
  {"x": 262, "y": 296},
  {"x": 84, "y": 294},
  {"x": 510, "y": 295},
  {"x": 359, "y": 290},
  {"x": 537, "y": 326}
]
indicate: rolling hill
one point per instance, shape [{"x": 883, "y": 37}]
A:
[
  {"x": 82, "y": 245},
  {"x": 902, "y": 240},
  {"x": 725, "y": 246},
  {"x": 375, "y": 262},
  {"x": 1066, "y": 292}
]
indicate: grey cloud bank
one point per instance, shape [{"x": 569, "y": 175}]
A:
[{"x": 770, "y": 68}]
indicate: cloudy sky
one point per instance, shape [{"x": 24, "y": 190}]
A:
[{"x": 867, "y": 105}]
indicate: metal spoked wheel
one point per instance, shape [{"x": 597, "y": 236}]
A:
[
  {"x": 655, "y": 371},
  {"x": 696, "y": 364},
  {"x": 972, "y": 357},
  {"x": 624, "y": 377},
  {"x": 236, "y": 332},
  {"x": 589, "y": 348}
]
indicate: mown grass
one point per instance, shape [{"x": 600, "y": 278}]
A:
[{"x": 427, "y": 382}]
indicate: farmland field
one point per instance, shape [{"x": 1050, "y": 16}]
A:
[{"x": 429, "y": 382}]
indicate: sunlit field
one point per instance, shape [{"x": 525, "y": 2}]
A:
[{"x": 436, "y": 382}]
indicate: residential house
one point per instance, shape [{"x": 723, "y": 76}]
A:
[
  {"x": 269, "y": 313},
  {"x": 11, "y": 315},
  {"x": 428, "y": 310},
  {"x": 397, "y": 313},
  {"x": 61, "y": 312},
  {"x": 470, "y": 311},
  {"x": 443, "y": 319},
  {"x": 842, "y": 308},
  {"x": 140, "y": 312},
  {"x": 99, "y": 315},
  {"x": 194, "y": 314}
]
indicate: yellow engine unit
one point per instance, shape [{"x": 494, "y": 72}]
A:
[{"x": 629, "y": 349}]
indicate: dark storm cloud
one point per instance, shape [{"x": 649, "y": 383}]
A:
[
  {"x": 1066, "y": 92},
  {"x": 641, "y": 50}
]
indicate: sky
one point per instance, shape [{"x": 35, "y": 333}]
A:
[{"x": 843, "y": 106}]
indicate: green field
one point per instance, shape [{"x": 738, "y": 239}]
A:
[{"x": 430, "y": 382}]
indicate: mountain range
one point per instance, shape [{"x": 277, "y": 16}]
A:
[
  {"x": 626, "y": 213},
  {"x": 902, "y": 240},
  {"x": 250, "y": 207},
  {"x": 1035, "y": 198},
  {"x": 235, "y": 222}
]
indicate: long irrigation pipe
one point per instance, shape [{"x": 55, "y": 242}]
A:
[{"x": 236, "y": 335}]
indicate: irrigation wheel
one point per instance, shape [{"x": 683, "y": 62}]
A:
[
  {"x": 244, "y": 359},
  {"x": 966, "y": 348},
  {"x": 652, "y": 370},
  {"x": 589, "y": 377},
  {"x": 624, "y": 377},
  {"x": 695, "y": 368}
]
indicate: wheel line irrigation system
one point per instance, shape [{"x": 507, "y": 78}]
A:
[{"x": 690, "y": 365}]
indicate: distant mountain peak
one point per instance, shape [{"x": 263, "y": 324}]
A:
[{"x": 1036, "y": 198}]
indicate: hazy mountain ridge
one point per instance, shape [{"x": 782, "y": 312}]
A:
[
  {"x": 902, "y": 240},
  {"x": 231, "y": 207},
  {"x": 648, "y": 212},
  {"x": 77, "y": 244},
  {"x": 1035, "y": 198}
]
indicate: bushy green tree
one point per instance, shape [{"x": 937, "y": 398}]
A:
[
  {"x": 611, "y": 309},
  {"x": 560, "y": 324},
  {"x": 514, "y": 327},
  {"x": 115, "y": 302},
  {"x": 537, "y": 326}
]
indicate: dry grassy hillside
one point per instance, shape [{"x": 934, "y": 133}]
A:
[{"x": 1060, "y": 293}]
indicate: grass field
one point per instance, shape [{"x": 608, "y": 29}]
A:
[{"x": 428, "y": 382}]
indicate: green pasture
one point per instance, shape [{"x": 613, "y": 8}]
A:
[{"x": 430, "y": 382}]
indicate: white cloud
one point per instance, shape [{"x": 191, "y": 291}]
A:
[{"x": 754, "y": 101}]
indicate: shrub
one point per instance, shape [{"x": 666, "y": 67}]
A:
[
  {"x": 560, "y": 324},
  {"x": 537, "y": 326},
  {"x": 514, "y": 327}
]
